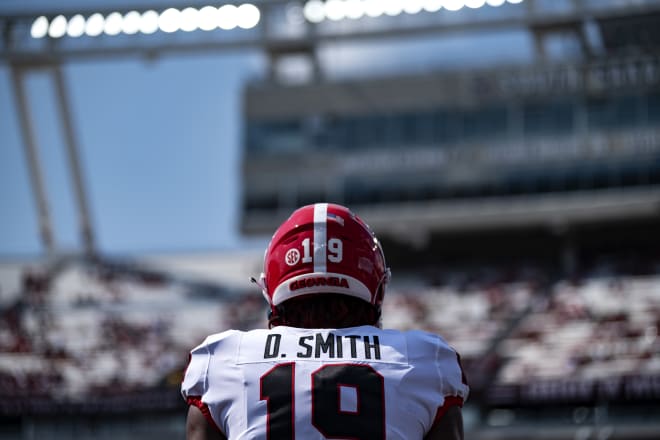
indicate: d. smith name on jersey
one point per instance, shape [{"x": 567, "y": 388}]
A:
[{"x": 332, "y": 346}]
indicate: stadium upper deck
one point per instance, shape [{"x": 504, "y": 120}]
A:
[{"x": 504, "y": 145}]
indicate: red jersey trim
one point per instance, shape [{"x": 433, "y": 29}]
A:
[
  {"x": 204, "y": 408},
  {"x": 449, "y": 402}
]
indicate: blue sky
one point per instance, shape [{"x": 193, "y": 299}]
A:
[
  {"x": 161, "y": 140},
  {"x": 159, "y": 147}
]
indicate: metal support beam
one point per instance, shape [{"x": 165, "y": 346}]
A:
[
  {"x": 32, "y": 156},
  {"x": 22, "y": 49},
  {"x": 73, "y": 155}
]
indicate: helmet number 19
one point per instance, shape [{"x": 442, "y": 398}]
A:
[{"x": 335, "y": 251}]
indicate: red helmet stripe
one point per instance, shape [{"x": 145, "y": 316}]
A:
[{"x": 320, "y": 236}]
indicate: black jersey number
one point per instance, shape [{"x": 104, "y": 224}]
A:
[{"x": 365, "y": 421}]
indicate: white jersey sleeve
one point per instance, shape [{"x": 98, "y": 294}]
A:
[
  {"x": 451, "y": 382},
  {"x": 203, "y": 377},
  {"x": 360, "y": 382}
]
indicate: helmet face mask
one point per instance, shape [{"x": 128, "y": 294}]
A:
[{"x": 323, "y": 249}]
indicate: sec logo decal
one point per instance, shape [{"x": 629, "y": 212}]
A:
[{"x": 292, "y": 257}]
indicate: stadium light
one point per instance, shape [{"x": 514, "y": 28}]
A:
[
  {"x": 94, "y": 25},
  {"x": 39, "y": 27},
  {"x": 189, "y": 20},
  {"x": 169, "y": 20},
  {"x": 313, "y": 11},
  {"x": 230, "y": 16},
  {"x": 316, "y": 11},
  {"x": 131, "y": 23},
  {"x": 374, "y": 8},
  {"x": 453, "y": 5},
  {"x": 208, "y": 18},
  {"x": 113, "y": 24},
  {"x": 227, "y": 17},
  {"x": 413, "y": 6},
  {"x": 475, "y": 4},
  {"x": 76, "y": 26},
  {"x": 432, "y": 5},
  {"x": 149, "y": 22},
  {"x": 393, "y": 7},
  {"x": 248, "y": 16},
  {"x": 57, "y": 27},
  {"x": 355, "y": 9},
  {"x": 335, "y": 10}
]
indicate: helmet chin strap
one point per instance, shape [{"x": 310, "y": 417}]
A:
[{"x": 275, "y": 316}]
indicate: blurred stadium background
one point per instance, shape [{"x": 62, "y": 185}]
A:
[{"x": 517, "y": 198}]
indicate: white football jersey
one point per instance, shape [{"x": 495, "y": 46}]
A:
[{"x": 351, "y": 383}]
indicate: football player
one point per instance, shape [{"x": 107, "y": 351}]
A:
[{"x": 324, "y": 369}]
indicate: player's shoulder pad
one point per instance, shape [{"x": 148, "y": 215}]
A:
[
  {"x": 447, "y": 361},
  {"x": 195, "y": 378},
  {"x": 423, "y": 343},
  {"x": 213, "y": 343}
]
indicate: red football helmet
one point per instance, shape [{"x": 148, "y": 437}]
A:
[{"x": 324, "y": 248}]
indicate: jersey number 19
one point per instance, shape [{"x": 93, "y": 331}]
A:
[{"x": 366, "y": 422}]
